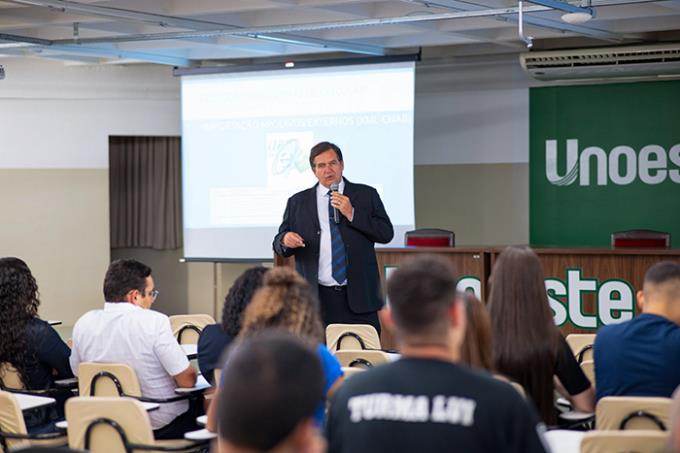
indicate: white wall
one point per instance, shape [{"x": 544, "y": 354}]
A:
[
  {"x": 472, "y": 113},
  {"x": 55, "y": 121},
  {"x": 57, "y": 116}
]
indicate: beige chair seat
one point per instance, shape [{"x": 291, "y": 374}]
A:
[
  {"x": 639, "y": 441},
  {"x": 361, "y": 358},
  {"x": 588, "y": 368},
  {"x": 349, "y": 372},
  {"x": 632, "y": 413},
  {"x": 134, "y": 427},
  {"x": 12, "y": 422},
  {"x": 187, "y": 328},
  {"x": 581, "y": 345},
  {"x": 351, "y": 336}
]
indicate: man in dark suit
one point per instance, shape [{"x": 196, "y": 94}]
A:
[{"x": 337, "y": 258}]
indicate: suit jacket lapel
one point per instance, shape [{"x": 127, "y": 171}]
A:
[
  {"x": 349, "y": 192},
  {"x": 313, "y": 212}
]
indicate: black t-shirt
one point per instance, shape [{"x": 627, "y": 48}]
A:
[
  {"x": 568, "y": 370},
  {"x": 430, "y": 405},
  {"x": 211, "y": 344},
  {"x": 45, "y": 351}
]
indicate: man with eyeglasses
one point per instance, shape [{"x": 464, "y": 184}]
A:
[
  {"x": 331, "y": 229},
  {"x": 128, "y": 331}
]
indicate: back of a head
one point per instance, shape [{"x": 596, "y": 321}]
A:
[
  {"x": 123, "y": 276},
  {"x": 285, "y": 301},
  {"x": 662, "y": 282},
  {"x": 517, "y": 298},
  {"x": 421, "y": 292},
  {"x": 674, "y": 437},
  {"x": 239, "y": 296},
  {"x": 270, "y": 384},
  {"x": 525, "y": 338},
  {"x": 17, "y": 284},
  {"x": 18, "y": 305}
]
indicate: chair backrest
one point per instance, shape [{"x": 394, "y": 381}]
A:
[
  {"x": 639, "y": 441},
  {"x": 581, "y": 345},
  {"x": 51, "y": 450},
  {"x": 588, "y": 368},
  {"x": 430, "y": 237},
  {"x": 633, "y": 413},
  {"x": 11, "y": 419},
  {"x": 9, "y": 377},
  {"x": 641, "y": 239},
  {"x": 351, "y": 336},
  {"x": 107, "y": 379},
  {"x": 91, "y": 417},
  {"x": 361, "y": 358},
  {"x": 187, "y": 328}
]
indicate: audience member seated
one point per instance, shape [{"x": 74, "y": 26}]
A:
[
  {"x": 216, "y": 337},
  {"x": 286, "y": 302},
  {"x": 476, "y": 350},
  {"x": 29, "y": 344},
  {"x": 426, "y": 401},
  {"x": 269, "y": 393},
  {"x": 528, "y": 347},
  {"x": 128, "y": 331},
  {"x": 674, "y": 438},
  {"x": 641, "y": 357}
]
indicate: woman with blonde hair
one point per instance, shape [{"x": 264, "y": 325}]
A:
[{"x": 286, "y": 302}]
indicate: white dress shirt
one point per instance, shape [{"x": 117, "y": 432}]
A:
[
  {"x": 325, "y": 252},
  {"x": 125, "y": 333}
]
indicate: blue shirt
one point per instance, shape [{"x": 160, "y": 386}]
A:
[
  {"x": 211, "y": 344},
  {"x": 640, "y": 357},
  {"x": 331, "y": 373}
]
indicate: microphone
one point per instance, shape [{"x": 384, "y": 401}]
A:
[{"x": 336, "y": 214}]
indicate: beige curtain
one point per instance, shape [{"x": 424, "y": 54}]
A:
[{"x": 144, "y": 192}]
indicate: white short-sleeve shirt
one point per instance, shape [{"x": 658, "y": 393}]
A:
[{"x": 125, "y": 333}]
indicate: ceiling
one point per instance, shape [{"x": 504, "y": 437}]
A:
[{"x": 206, "y": 32}]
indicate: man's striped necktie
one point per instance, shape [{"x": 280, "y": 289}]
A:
[{"x": 338, "y": 255}]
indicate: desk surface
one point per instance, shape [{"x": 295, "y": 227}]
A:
[
  {"x": 27, "y": 402},
  {"x": 201, "y": 385},
  {"x": 564, "y": 441},
  {"x": 191, "y": 350}
]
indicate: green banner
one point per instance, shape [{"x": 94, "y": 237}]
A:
[{"x": 603, "y": 158}]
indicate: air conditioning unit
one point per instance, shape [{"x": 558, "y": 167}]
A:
[{"x": 603, "y": 62}]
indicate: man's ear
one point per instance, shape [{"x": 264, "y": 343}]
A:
[
  {"x": 131, "y": 296},
  {"x": 457, "y": 314},
  {"x": 386, "y": 319},
  {"x": 640, "y": 300},
  {"x": 305, "y": 437}
]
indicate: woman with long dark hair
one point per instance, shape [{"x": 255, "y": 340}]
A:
[
  {"x": 29, "y": 344},
  {"x": 527, "y": 346},
  {"x": 215, "y": 338}
]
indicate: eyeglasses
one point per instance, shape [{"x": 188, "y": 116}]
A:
[
  {"x": 154, "y": 293},
  {"x": 322, "y": 165}
]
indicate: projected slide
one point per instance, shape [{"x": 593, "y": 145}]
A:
[{"x": 246, "y": 139}]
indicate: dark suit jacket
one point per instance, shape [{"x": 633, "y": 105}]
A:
[{"x": 370, "y": 225}]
